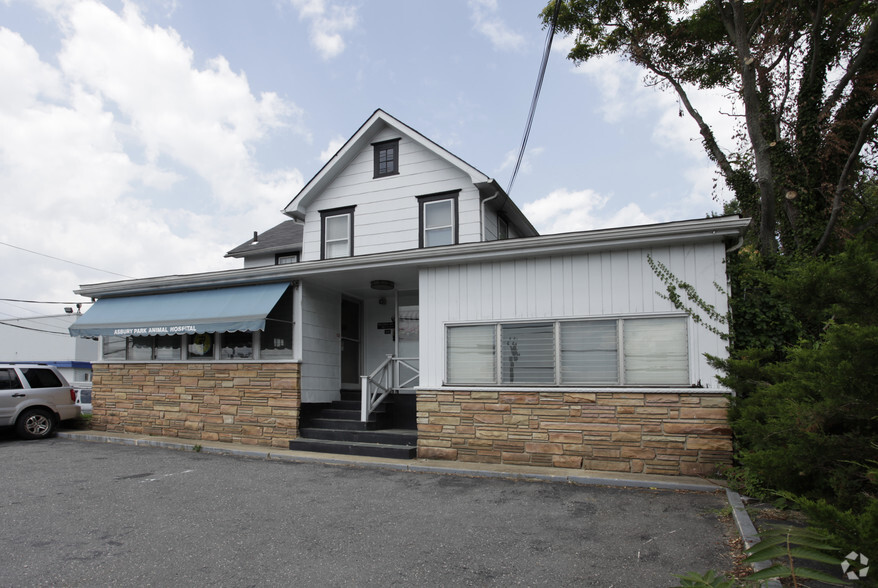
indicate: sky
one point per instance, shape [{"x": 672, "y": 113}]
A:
[{"x": 149, "y": 137}]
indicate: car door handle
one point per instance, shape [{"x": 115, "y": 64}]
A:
[{"x": 18, "y": 395}]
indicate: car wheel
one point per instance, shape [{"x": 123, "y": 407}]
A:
[{"x": 35, "y": 423}]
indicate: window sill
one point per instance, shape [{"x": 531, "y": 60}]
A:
[
  {"x": 197, "y": 361},
  {"x": 578, "y": 390}
]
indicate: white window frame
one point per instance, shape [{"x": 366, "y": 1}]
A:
[
  {"x": 621, "y": 380},
  {"x": 325, "y": 217},
  {"x": 431, "y": 200}
]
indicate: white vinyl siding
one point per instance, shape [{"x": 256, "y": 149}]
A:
[
  {"x": 387, "y": 214},
  {"x": 321, "y": 359},
  {"x": 602, "y": 285}
]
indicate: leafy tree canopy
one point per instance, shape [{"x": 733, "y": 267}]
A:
[{"x": 805, "y": 79}]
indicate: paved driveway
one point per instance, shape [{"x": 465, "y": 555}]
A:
[{"x": 76, "y": 513}]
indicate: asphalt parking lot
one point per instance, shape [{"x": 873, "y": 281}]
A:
[{"x": 77, "y": 513}]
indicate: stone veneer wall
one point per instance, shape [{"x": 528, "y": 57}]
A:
[
  {"x": 652, "y": 433},
  {"x": 253, "y": 403}
]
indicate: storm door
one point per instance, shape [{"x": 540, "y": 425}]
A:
[{"x": 350, "y": 344}]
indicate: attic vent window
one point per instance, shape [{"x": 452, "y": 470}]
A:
[{"x": 386, "y": 158}]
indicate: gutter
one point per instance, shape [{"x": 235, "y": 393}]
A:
[{"x": 678, "y": 232}]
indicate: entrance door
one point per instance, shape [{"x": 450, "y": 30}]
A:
[{"x": 350, "y": 344}]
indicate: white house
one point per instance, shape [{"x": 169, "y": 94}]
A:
[
  {"x": 410, "y": 292},
  {"x": 44, "y": 339}
]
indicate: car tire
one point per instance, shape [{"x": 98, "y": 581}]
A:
[{"x": 35, "y": 423}]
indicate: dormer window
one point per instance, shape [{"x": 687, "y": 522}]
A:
[
  {"x": 386, "y": 158},
  {"x": 337, "y": 233},
  {"x": 438, "y": 222}
]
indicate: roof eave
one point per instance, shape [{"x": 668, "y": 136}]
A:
[{"x": 698, "y": 230}]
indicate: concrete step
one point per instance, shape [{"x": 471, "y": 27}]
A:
[
  {"x": 353, "y": 448},
  {"x": 380, "y": 436}
]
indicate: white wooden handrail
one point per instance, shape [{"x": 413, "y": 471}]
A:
[{"x": 383, "y": 381}]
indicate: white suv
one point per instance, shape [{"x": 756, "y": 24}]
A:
[{"x": 35, "y": 398}]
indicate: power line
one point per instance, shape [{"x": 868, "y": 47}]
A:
[
  {"x": 43, "y": 301},
  {"x": 33, "y": 329},
  {"x": 536, "y": 96},
  {"x": 66, "y": 261}
]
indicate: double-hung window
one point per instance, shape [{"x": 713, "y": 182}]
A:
[
  {"x": 648, "y": 351},
  {"x": 337, "y": 233},
  {"x": 438, "y": 219}
]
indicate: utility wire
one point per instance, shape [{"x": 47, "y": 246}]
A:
[
  {"x": 66, "y": 261},
  {"x": 536, "y": 96},
  {"x": 33, "y": 329},
  {"x": 44, "y": 301}
]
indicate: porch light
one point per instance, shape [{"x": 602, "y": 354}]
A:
[{"x": 382, "y": 285}]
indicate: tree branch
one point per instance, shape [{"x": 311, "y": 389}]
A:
[
  {"x": 842, "y": 180},
  {"x": 703, "y": 128},
  {"x": 852, "y": 68}
]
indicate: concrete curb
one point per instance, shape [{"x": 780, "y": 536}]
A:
[
  {"x": 473, "y": 470},
  {"x": 748, "y": 533}
]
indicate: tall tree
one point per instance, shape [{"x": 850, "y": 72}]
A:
[{"x": 805, "y": 78}]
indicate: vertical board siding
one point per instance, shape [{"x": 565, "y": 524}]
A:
[
  {"x": 387, "y": 213},
  {"x": 321, "y": 371},
  {"x": 589, "y": 285}
]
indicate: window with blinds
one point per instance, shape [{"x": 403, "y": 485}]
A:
[
  {"x": 612, "y": 352},
  {"x": 527, "y": 353},
  {"x": 470, "y": 357},
  {"x": 589, "y": 352},
  {"x": 656, "y": 351}
]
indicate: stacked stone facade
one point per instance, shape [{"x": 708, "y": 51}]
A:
[
  {"x": 251, "y": 403},
  {"x": 653, "y": 433}
]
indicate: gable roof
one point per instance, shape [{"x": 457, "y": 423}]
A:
[
  {"x": 284, "y": 237},
  {"x": 363, "y": 137}
]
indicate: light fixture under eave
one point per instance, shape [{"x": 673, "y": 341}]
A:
[{"x": 382, "y": 285}]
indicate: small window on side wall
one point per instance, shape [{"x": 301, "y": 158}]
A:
[
  {"x": 438, "y": 219},
  {"x": 386, "y": 157},
  {"x": 337, "y": 233},
  {"x": 285, "y": 258},
  {"x": 502, "y": 228}
]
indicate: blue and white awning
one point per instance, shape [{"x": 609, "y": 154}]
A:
[{"x": 242, "y": 308}]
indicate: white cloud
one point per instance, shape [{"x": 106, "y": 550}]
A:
[
  {"x": 488, "y": 23},
  {"x": 526, "y": 162},
  {"x": 625, "y": 96},
  {"x": 564, "y": 211},
  {"x": 332, "y": 148},
  {"x": 327, "y": 23},
  {"x": 127, "y": 156}
]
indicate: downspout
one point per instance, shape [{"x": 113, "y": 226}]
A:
[
  {"x": 737, "y": 245},
  {"x": 496, "y": 193}
]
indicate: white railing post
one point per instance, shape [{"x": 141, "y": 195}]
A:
[{"x": 364, "y": 398}]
